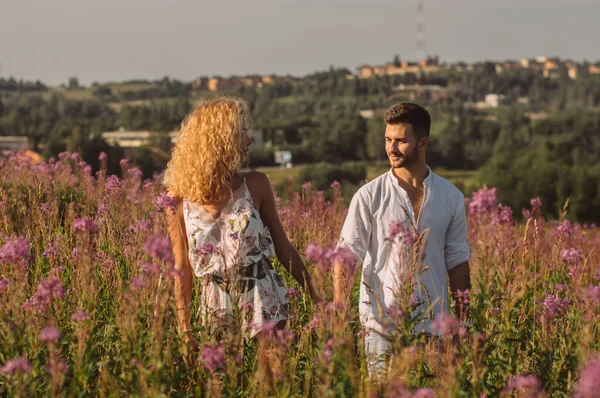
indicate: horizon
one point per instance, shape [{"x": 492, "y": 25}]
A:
[{"x": 352, "y": 70}]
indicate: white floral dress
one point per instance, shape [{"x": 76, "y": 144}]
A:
[{"x": 232, "y": 254}]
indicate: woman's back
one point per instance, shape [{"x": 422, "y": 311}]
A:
[
  {"x": 235, "y": 237},
  {"x": 235, "y": 249}
]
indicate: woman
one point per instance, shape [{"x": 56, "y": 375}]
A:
[{"x": 226, "y": 229}]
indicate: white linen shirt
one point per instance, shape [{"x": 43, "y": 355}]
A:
[{"x": 366, "y": 231}]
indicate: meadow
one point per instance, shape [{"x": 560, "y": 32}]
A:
[{"x": 87, "y": 305}]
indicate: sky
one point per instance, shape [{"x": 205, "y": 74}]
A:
[{"x": 116, "y": 40}]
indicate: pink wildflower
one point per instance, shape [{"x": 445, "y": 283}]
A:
[
  {"x": 588, "y": 384},
  {"x": 530, "y": 383},
  {"x": 80, "y": 316},
  {"x": 137, "y": 283},
  {"x": 15, "y": 251},
  {"x": 213, "y": 357},
  {"x": 159, "y": 247},
  {"x": 16, "y": 365},
  {"x": 445, "y": 323},
  {"x": 49, "y": 334},
  {"x": 85, "y": 224}
]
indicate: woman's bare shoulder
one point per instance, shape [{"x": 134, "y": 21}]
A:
[{"x": 257, "y": 179}]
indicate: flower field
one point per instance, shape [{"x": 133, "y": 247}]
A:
[{"x": 87, "y": 304}]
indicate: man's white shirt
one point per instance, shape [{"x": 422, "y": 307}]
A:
[{"x": 366, "y": 233}]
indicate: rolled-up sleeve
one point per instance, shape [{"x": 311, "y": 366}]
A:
[
  {"x": 456, "y": 248},
  {"x": 356, "y": 231}
]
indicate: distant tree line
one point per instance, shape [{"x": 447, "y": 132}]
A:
[{"x": 317, "y": 118}]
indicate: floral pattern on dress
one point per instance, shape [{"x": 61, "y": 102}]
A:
[{"x": 240, "y": 265}]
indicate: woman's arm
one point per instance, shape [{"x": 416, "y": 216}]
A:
[
  {"x": 183, "y": 281},
  {"x": 286, "y": 252}
]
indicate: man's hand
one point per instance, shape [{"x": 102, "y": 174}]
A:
[{"x": 460, "y": 282}]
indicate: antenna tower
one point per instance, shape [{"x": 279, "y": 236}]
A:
[{"x": 421, "y": 43}]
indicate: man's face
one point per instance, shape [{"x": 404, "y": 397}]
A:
[{"x": 401, "y": 145}]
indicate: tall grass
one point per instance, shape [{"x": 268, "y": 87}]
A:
[{"x": 87, "y": 304}]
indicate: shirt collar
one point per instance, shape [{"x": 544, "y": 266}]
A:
[{"x": 426, "y": 182}]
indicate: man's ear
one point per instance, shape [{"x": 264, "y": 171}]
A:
[{"x": 423, "y": 143}]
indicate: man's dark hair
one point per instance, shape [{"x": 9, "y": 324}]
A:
[{"x": 412, "y": 114}]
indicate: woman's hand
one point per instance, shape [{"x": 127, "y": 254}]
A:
[{"x": 191, "y": 348}]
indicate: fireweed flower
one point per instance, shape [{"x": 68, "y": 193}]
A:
[
  {"x": 113, "y": 183},
  {"x": 102, "y": 156},
  {"x": 143, "y": 225},
  {"x": 293, "y": 293},
  {"x": 563, "y": 230},
  {"x": 135, "y": 173},
  {"x": 445, "y": 323},
  {"x": 59, "y": 366},
  {"x": 530, "y": 383},
  {"x": 85, "y": 224},
  {"x": 345, "y": 257},
  {"x": 46, "y": 209},
  {"x": 149, "y": 267},
  {"x": 536, "y": 203},
  {"x": 103, "y": 209},
  {"x": 425, "y": 392},
  {"x": 47, "y": 291},
  {"x": 52, "y": 250},
  {"x": 463, "y": 297},
  {"x": 80, "y": 316},
  {"x": 49, "y": 334},
  {"x": 212, "y": 357},
  {"x": 335, "y": 184},
  {"x": 327, "y": 352},
  {"x": 503, "y": 216},
  {"x": 75, "y": 254},
  {"x": 164, "y": 202},
  {"x": 320, "y": 256},
  {"x": 159, "y": 247},
  {"x": 395, "y": 312},
  {"x": 402, "y": 231},
  {"x": 571, "y": 256},
  {"x": 483, "y": 201},
  {"x": 4, "y": 283},
  {"x": 15, "y": 251},
  {"x": 588, "y": 384},
  {"x": 137, "y": 283},
  {"x": 555, "y": 306},
  {"x": 124, "y": 163},
  {"x": 396, "y": 389},
  {"x": 592, "y": 293},
  {"x": 16, "y": 365},
  {"x": 314, "y": 322},
  {"x": 267, "y": 327}
]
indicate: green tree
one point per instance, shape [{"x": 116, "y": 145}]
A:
[
  {"x": 376, "y": 139},
  {"x": 73, "y": 83}
]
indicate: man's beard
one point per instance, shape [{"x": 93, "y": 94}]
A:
[{"x": 405, "y": 160}]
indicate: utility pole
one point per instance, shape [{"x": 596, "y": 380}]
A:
[{"x": 421, "y": 42}]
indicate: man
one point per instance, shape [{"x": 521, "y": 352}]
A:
[{"x": 409, "y": 195}]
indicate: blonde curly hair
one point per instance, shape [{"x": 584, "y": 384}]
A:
[{"x": 209, "y": 151}]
